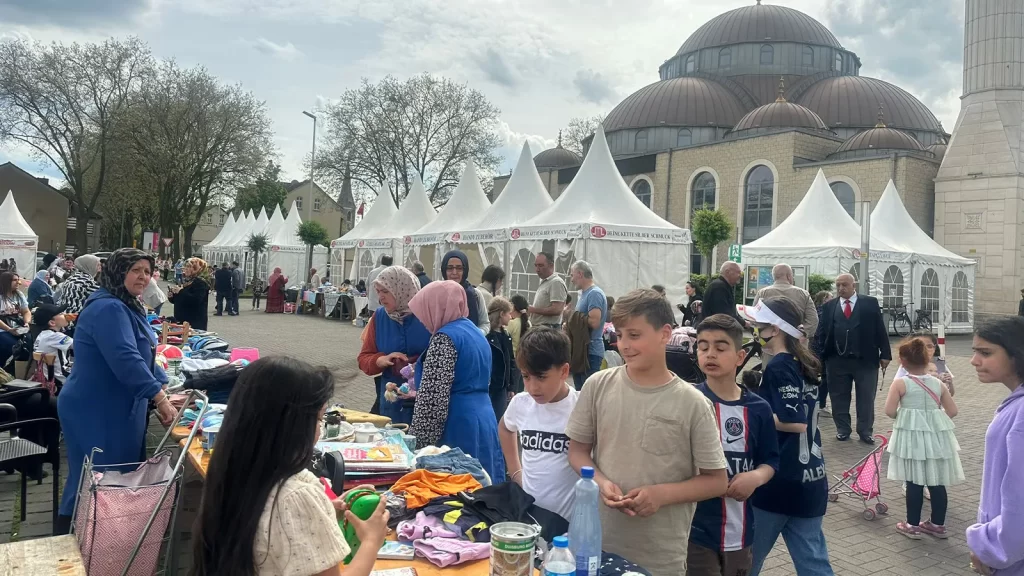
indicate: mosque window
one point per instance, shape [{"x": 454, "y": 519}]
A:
[
  {"x": 641, "y": 141},
  {"x": 703, "y": 192},
  {"x": 930, "y": 293},
  {"x": 767, "y": 54},
  {"x": 757, "y": 210},
  {"x": 724, "y": 58},
  {"x": 691, "y": 63},
  {"x": 960, "y": 296},
  {"x": 808, "y": 56},
  {"x": 892, "y": 288},
  {"x": 846, "y": 196},
  {"x": 839, "y": 62},
  {"x": 684, "y": 138},
  {"x": 642, "y": 189}
]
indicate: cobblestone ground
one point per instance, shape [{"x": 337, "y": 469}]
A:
[{"x": 856, "y": 546}]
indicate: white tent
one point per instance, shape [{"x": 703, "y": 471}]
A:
[
  {"x": 17, "y": 239},
  {"x": 287, "y": 251},
  {"x": 369, "y": 234},
  {"x": 599, "y": 219},
  {"x": 414, "y": 213}
]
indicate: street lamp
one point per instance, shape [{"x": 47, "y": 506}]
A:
[{"x": 312, "y": 162}]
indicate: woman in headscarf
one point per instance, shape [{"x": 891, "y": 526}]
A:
[
  {"x": 104, "y": 402},
  {"x": 453, "y": 406},
  {"x": 275, "y": 292},
  {"x": 39, "y": 290},
  {"x": 73, "y": 292},
  {"x": 192, "y": 299},
  {"x": 455, "y": 267},
  {"x": 393, "y": 339}
]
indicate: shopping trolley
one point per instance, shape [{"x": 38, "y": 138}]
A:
[
  {"x": 124, "y": 511},
  {"x": 863, "y": 481}
]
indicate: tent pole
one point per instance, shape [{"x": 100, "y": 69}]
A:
[{"x": 865, "y": 246}]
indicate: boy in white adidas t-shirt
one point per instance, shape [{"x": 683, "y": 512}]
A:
[
  {"x": 536, "y": 420},
  {"x": 50, "y": 319}
]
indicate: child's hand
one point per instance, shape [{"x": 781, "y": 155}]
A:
[
  {"x": 742, "y": 486},
  {"x": 612, "y": 497},
  {"x": 339, "y": 503},
  {"x": 374, "y": 530},
  {"x": 947, "y": 379},
  {"x": 644, "y": 501}
]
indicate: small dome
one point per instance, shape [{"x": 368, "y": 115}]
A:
[
  {"x": 939, "y": 149},
  {"x": 686, "y": 101},
  {"x": 880, "y": 137},
  {"x": 759, "y": 23},
  {"x": 557, "y": 157},
  {"x": 851, "y": 101},
  {"x": 780, "y": 114}
]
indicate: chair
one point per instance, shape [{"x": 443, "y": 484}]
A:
[
  {"x": 170, "y": 330},
  {"x": 26, "y": 454}
]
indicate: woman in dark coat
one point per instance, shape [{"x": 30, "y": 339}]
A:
[
  {"x": 192, "y": 300},
  {"x": 455, "y": 267},
  {"x": 506, "y": 379}
]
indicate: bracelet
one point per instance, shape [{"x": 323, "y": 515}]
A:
[{"x": 512, "y": 476}]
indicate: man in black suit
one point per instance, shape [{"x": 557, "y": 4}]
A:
[
  {"x": 720, "y": 295},
  {"x": 852, "y": 343}
]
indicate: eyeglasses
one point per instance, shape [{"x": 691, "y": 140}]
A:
[{"x": 454, "y": 268}]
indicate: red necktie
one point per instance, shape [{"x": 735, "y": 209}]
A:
[{"x": 847, "y": 309}]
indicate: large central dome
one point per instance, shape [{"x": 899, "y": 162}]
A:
[{"x": 760, "y": 23}]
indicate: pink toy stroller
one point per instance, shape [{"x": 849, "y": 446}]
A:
[{"x": 863, "y": 481}]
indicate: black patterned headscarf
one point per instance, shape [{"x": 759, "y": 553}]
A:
[{"x": 116, "y": 269}]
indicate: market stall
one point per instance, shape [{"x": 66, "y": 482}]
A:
[
  {"x": 287, "y": 252},
  {"x": 367, "y": 237},
  {"x": 415, "y": 212},
  {"x": 211, "y": 249},
  {"x": 17, "y": 239}
]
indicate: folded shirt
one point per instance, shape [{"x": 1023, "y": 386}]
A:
[{"x": 444, "y": 552}]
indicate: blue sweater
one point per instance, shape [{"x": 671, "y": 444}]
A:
[{"x": 105, "y": 400}]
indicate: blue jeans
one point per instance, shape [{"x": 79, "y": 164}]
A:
[
  {"x": 804, "y": 539},
  {"x": 595, "y": 366}
]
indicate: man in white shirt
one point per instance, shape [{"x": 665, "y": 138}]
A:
[{"x": 373, "y": 301}]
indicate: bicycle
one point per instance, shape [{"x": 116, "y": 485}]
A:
[{"x": 902, "y": 325}]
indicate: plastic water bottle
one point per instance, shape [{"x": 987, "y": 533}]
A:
[
  {"x": 585, "y": 526},
  {"x": 560, "y": 561},
  {"x": 186, "y": 351}
]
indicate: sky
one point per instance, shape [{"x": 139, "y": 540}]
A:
[{"x": 541, "y": 62}]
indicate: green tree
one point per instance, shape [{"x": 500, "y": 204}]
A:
[
  {"x": 819, "y": 283},
  {"x": 257, "y": 244},
  {"x": 709, "y": 228},
  {"x": 312, "y": 234},
  {"x": 267, "y": 192}
]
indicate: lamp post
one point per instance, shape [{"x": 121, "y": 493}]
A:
[{"x": 312, "y": 162}]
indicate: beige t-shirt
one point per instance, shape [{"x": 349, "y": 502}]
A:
[
  {"x": 645, "y": 436},
  {"x": 551, "y": 290},
  {"x": 299, "y": 535}
]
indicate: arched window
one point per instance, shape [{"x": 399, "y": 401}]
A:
[
  {"x": 523, "y": 280},
  {"x": 839, "y": 62},
  {"x": 365, "y": 265},
  {"x": 855, "y": 271},
  {"x": 757, "y": 209},
  {"x": 491, "y": 257},
  {"x": 691, "y": 64},
  {"x": 808, "y": 56},
  {"x": 703, "y": 192},
  {"x": 641, "y": 141},
  {"x": 892, "y": 288},
  {"x": 930, "y": 293},
  {"x": 684, "y": 137},
  {"x": 767, "y": 54},
  {"x": 642, "y": 189},
  {"x": 724, "y": 58},
  {"x": 844, "y": 193},
  {"x": 960, "y": 299}
]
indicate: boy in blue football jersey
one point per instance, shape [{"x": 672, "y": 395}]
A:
[{"x": 722, "y": 535}]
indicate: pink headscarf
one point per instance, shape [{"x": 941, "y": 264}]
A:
[{"x": 438, "y": 304}]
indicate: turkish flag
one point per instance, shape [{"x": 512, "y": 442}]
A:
[{"x": 362, "y": 206}]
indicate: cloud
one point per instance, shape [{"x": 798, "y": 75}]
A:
[
  {"x": 497, "y": 70},
  {"x": 72, "y": 13},
  {"x": 593, "y": 86},
  {"x": 286, "y": 51},
  {"x": 511, "y": 144}
]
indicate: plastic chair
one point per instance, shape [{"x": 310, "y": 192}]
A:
[
  {"x": 169, "y": 330},
  {"x": 15, "y": 451}
]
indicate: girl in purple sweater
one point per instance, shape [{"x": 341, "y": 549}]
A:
[{"x": 997, "y": 541}]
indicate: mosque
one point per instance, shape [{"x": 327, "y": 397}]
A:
[{"x": 747, "y": 111}]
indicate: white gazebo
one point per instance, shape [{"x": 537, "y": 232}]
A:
[
  {"x": 17, "y": 239},
  {"x": 287, "y": 252},
  {"x": 414, "y": 213},
  {"x": 599, "y": 219},
  {"x": 211, "y": 248},
  {"x": 369, "y": 236}
]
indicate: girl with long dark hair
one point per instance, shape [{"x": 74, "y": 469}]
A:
[
  {"x": 263, "y": 513},
  {"x": 520, "y": 322},
  {"x": 14, "y": 314}
]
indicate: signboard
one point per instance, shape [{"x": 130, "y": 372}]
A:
[
  {"x": 736, "y": 253},
  {"x": 598, "y": 231},
  {"x": 168, "y": 241}
]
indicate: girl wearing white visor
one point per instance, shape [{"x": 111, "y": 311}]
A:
[{"x": 792, "y": 504}]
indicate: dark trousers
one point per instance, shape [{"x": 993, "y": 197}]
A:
[
  {"x": 375, "y": 409},
  {"x": 844, "y": 376},
  {"x": 915, "y": 501},
  {"x": 256, "y": 297},
  {"x": 221, "y": 297},
  {"x": 823, "y": 390},
  {"x": 233, "y": 301}
]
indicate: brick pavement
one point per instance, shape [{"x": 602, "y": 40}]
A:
[{"x": 857, "y": 546}]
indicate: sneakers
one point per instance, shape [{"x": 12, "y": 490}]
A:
[
  {"x": 912, "y": 532},
  {"x": 933, "y": 530}
]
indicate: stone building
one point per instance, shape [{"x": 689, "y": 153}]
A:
[
  {"x": 745, "y": 113},
  {"x": 337, "y": 216}
]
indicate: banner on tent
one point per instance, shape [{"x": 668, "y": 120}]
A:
[
  {"x": 604, "y": 232},
  {"x": 19, "y": 243},
  {"x": 423, "y": 239},
  {"x": 297, "y": 249},
  {"x": 478, "y": 236}
]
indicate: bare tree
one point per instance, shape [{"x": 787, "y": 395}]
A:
[
  {"x": 425, "y": 125},
  {"x": 63, "y": 101},
  {"x": 579, "y": 130}
]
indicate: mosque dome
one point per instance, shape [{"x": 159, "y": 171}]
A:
[
  {"x": 881, "y": 137},
  {"x": 780, "y": 114},
  {"x": 939, "y": 149},
  {"x": 851, "y": 102},
  {"x": 557, "y": 157},
  {"x": 760, "y": 23},
  {"x": 686, "y": 101}
]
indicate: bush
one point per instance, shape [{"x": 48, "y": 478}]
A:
[
  {"x": 701, "y": 281},
  {"x": 819, "y": 283}
]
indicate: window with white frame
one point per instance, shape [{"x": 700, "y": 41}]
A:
[
  {"x": 365, "y": 266},
  {"x": 524, "y": 280},
  {"x": 930, "y": 293},
  {"x": 209, "y": 218},
  {"x": 757, "y": 210},
  {"x": 961, "y": 291},
  {"x": 298, "y": 202},
  {"x": 892, "y": 288},
  {"x": 846, "y": 196},
  {"x": 642, "y": 190},
  {"x": 222, "y": 219},
  {"x": 316, "y": 204}
]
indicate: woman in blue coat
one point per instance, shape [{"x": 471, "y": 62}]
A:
[
  {"x": 453, "y": 406},
  {"x": 105, "y": 400},
  {"x": 393, "y": 339}
]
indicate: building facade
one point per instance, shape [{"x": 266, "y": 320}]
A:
[
  {"x": 47, "y": 210},
  {"x": 337, "y": 216}
]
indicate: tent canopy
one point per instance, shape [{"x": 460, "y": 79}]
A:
[
  {"x": 523, "y": 197},
  {"x": 893, "y": 225},
  {"x": 12, "y": 224},
  {"x": 463, "y": 208},
  {"x": 374, "y": 223},
  {"x": 415, "y": 212},
  {"x": 225, "y": 232}
]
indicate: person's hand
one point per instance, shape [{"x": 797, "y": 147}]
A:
[
  {"x": 165, "y": 412},
  {"x": 644, "y": 501},
  {"x": 947, "y": 379},
  {"x": 339, "y": 503},
  {"x": 517, "y": 477},
  {"x": 389, "y": 360},
  {"x": 742, "y": 486},
  {"x": 884, "y": 364},
  {"x": 410, "y": 396},
  {"x": 979, "y": 567},
  {"x": 374, "y": 530},
  {"x": 612, "y": 497}
]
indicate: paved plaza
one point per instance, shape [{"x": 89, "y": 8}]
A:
[{"x": 856, "y": 546}]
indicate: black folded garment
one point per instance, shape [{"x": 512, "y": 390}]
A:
[
  {"x": 217, "y": 382},
  {"x": 505, "y": 502}
]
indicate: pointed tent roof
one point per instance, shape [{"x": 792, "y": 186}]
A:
[
  {"x": 287, "y": 234},
  {"x": 523, "y": 197},
  {"x": 260, "y": 226},
  {"x": 275, "y": 222},
  {"x": 415, "y": 212},
  {"x": 599, "y": 203},
  {"x": 462, "y": 209},
  {"x": 241, "y": 234},
  {"x": 12, "y": 223},
  {"x": 225, "y": 232},
  {"x": 374, "y": 223},
  {"x": 893, "y": 225}
]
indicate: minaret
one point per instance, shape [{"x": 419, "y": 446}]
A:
[{"x": 979, "y": 190}]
